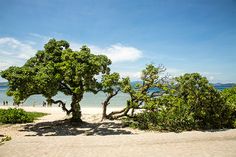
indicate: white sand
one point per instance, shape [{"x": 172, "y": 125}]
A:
[
  {"x": 92, "y": 116},
  {"x": 52, "y": 136}
]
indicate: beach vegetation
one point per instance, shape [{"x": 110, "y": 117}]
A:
[
  {"x": 57, "y": 68},
  {"x": 143, "y": 94},
  {"x": 111, "y": 86},
  {"x": 14, "y": 115},
  {"x": 156, "y": 102},
  {"x": 184, "y": 103},
  {"x": 230, "y": 97}
]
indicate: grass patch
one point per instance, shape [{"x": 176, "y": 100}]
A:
[{"x": 13, "y": 116}]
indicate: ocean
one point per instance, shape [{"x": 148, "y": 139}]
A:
[{"x": 89, "y": 99}]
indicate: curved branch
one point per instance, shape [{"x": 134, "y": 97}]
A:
[
  {"x": 125, "y": 113},
  {"x": 62, "y": 104},
  {"x": 111, "y": 95},
  {"x": 66, "y": 87},
  {"x": 116, "y": 112}
]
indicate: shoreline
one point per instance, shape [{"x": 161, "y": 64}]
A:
[
  {"x": 54, "y": 109},
  {"x": 107, "y": 138}
]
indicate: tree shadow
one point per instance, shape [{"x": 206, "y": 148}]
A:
[
  {"x": 214, "y": 130},
  {"x": 68, "y": 128}
]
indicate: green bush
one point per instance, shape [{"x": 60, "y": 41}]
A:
[
  {"x": 206, "y": 103},
  {"x": 193, "y": 103},
  {"x": 13, "y": 115},
  {"x": 174, "y": 116},
  {"x": 230, "y": 97}
]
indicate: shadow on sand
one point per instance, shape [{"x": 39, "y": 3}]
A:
[{"x": 67, "y": 128}]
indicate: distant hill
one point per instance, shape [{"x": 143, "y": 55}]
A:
[{"x": 219, "y": 86}]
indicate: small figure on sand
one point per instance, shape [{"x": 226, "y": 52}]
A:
[
  {"x": 44, "y": 104},
  {"x": 4, "y": 103},
  {"x": 16, "y": 104},
  {"x": 7, "y": 103}
]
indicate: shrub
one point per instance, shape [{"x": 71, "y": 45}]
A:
[
  {"x": 5, "y": 138},
  {"x": 174, "y": 116},
  {"x": 192, "y": 103},
  {"x": 206, "y": 103},
  {"x": 13, "y": 115},
  {"x": 230, "y": 97}
]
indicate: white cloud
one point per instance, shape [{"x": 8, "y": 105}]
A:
[
  {"x": 39, "y": 36},
  {"x": 4, "y": 65},
  {"x": 132, "y": 75},
  {"x": 116, "y": 52},
  {"x": 211, "y": 76},
  {"x": 14, "y": 48},
  {"x": 173, "y": 72}
]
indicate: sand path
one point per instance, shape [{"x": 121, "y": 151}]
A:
[{"x": 51, "y": 136}]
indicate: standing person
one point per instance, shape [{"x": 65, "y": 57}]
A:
[
  {"x": 44, "y": 104},
  {"x": 3, "y": 103},
  {"x": 7, "y": 103}
]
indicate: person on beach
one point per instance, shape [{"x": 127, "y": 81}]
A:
[
  {"x": 3, "y": 103},
  {"x": 7, "y": 103},
  {"x": 44, "y": 104}
]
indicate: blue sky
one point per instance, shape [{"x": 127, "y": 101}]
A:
[{"x": 183, "y": 35}]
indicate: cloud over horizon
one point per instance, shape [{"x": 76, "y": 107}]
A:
[
  {"x": 14, "y": 48},
  {"x": 14, "y": 52},
  {"x": 116, "y": 52}
]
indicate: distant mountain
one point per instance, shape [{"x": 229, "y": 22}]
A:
[{"x": 221, "y": 86}]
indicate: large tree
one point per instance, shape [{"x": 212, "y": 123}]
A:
[{"x": 55, "y": 69}]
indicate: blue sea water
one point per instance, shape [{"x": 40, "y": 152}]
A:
[{"x": 89, "y": 99}]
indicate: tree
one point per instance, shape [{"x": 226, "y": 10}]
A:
[
  {"x": 111, "y": 86},
  {"x": 230, "y": 97},
  {"x": 206, "y": 103},
  {"x": 55, "y": 69},
  {"x": 143, "y": 94}
]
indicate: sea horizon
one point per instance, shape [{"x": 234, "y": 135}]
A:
[{"x": 89, "y": 99}]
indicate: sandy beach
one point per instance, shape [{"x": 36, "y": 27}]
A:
[
  {"x": 55, "y": 123},
  {"x": 52, "y": 135}
]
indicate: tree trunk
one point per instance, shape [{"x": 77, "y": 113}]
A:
[
  {"x": 104, "y": 111},
  {"x": 75, "y": 106},
  {"x": 106, "y": 103}
]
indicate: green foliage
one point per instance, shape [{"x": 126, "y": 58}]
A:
[
  {"x": 173, "y": 116},
  {"x": 230, "y": 97},
  {"x": 141, "y": 95},
  {"x": 13, "y": 115},
  {"x": 55, "y": 69},
  {"x": 5, "y": 138},
  {"x": 110, "y": 82},
  {"x": 206, "y": 103},
  {"x": 189, "y": 102}
]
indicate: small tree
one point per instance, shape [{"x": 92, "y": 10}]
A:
[
  {"x": 55, "y": 69},
  {"x": 111, "y": 86},
  {"x": 230, "y": 97},
  {"x": 143, "y": 94},
  {"x": 206, "y": 103}
]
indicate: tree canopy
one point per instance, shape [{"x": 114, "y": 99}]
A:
[
  {"x": 55, "y": 69},
  {"x": 185, "y": 102}
]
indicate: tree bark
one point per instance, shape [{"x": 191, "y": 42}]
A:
[
  {"x": 104, "y": 110},
  {"x": 106, "y": 103},
  {"x": 75, "y": 107},
  {"x": 63, "y": 105}
]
